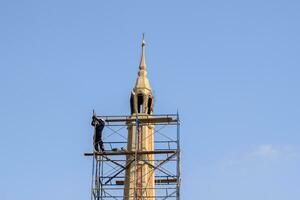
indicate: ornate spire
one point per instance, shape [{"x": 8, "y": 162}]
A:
[{"x": 142, "y": 81}]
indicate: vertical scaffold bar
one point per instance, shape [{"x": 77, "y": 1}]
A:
[
  {"x": 101, "y": 181},
  {"x": 92, "y": 185},
  {"x": 178, "y": 159},
  {"x": 136, "y": 158}
]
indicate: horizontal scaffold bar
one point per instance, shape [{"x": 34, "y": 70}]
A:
[
  {"x": 157, "y": 181},
  {"x": 118, "y": 153},
  {"x": 144, "y": 120}
]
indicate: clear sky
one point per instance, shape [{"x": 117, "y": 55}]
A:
[{"x": 232, "y": 69}]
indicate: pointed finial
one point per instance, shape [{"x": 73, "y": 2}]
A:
[
  {"x": 143, "y": 41},
  {"x": 143, "y": 61},
  {"x": 142, "y": 81}
]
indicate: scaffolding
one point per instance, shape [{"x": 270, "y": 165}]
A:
[{"x": 108, "y": 170}]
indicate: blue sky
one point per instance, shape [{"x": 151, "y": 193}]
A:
[{"x": 231, "y": 68}]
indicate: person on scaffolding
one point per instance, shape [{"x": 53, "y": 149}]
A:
[{"x": 99, "y": 126}]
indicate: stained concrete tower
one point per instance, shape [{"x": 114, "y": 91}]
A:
[{"x": 139, "y": 176}]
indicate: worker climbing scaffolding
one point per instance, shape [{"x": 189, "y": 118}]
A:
[{"x": 98, "y": 128}]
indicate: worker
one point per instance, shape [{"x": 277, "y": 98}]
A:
[{"x": 99, "y": 126}]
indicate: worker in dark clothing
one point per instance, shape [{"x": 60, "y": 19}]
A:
[{"x": 99, "y": 126}]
